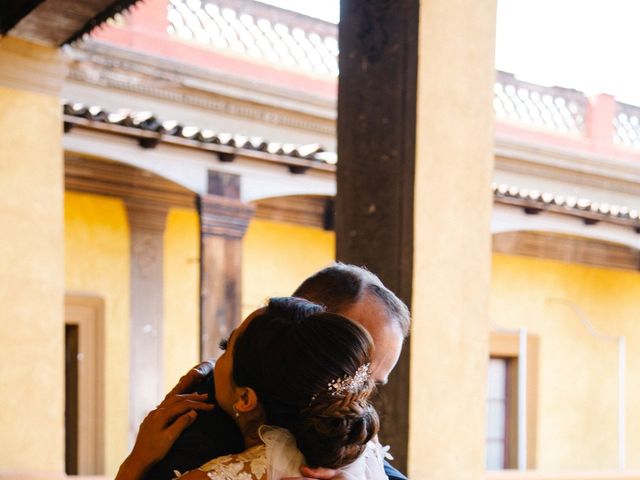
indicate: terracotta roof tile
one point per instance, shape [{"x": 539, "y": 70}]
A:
[
  {"x": 531, "y": 200},
  {"x": 147, "y": 122},
  {"x": 580, "y": 207}
]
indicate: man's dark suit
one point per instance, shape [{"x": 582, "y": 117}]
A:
[{"x": 213, "y": 434}]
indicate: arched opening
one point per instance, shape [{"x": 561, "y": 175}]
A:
[
  {"x": 131, "y": 241},
  {"x": 117, "y": 179}
]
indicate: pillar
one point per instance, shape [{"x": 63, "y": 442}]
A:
[
  {"x": 31, "y": 261},
  {"x": 452, "y": 239},
  {"x": 147, "y": 221},
  {"x": 223, "y": 222},
  {"x": 376, "y": 151},
  {"x": 415, "y": 149}
]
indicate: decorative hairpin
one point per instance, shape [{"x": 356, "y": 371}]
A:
[{"x": 349, "y": 383}]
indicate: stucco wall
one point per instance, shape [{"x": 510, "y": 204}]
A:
[
  {"x": 451, "y": 257},
  {"x": 97, "y": 263},
  {"x": 277, "y": 257},
  {"x": 181, "y": 293},
  {"x": 31, "y": 283},
  {"x": 577, "y": 387},
  {"x": 577, "y": 400}
]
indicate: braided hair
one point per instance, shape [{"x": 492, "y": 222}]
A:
[{"x": 289, "y": 355}]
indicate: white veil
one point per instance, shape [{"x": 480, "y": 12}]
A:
[{"x": 284, "y": 459}]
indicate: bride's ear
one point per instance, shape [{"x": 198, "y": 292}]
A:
[{"x": 247, "y": 400}]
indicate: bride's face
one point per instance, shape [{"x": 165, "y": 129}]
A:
[{"x": 227, "y": 393}]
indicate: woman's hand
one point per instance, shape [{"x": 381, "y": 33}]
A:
[
  {"x": 159, "y": 431},
  {"x": 190, "y": 380},
  {"x": 162, "y": 426}
]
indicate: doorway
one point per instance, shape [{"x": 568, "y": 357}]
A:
[{"x": 84, "y": 385}]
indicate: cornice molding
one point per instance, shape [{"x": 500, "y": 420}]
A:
[
  {"x": 27, "y": 66},
  {"x": 112, "y": 67},
  {"x": 567, "y": 166}
]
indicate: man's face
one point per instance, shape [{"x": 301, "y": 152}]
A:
[{"x": 385, "y": 332}]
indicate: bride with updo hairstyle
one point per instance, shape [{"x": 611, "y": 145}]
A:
[
  {"x": 289, "y": 355},
  {"x": 296, "y": 381}
]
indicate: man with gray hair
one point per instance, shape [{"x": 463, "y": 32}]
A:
[{"x": 348, "y": 290}]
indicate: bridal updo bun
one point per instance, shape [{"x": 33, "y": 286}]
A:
[
  {"x": 289, "y": 355},
  {"x": 335, "y": 430}
]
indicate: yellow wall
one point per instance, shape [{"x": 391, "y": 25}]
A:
[
  {"x": 31, "y": 282},
  {"x": 578, "y": 374},
  {"x": 97, "y": 263},
  {"x": 181, "y": 294},
  {"x": 277, "y": 257}
]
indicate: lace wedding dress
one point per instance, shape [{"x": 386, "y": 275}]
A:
[{"x": 279, "y": 458}]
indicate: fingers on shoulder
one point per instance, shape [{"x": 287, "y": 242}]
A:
[
  {"x": 190, "y": 380},
  {"x": 170, "y": 412}
]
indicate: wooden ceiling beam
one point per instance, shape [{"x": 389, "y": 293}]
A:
[{"x": 58, "y": 22}]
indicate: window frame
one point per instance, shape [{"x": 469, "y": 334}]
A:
[{"x": 506, "y": 345}]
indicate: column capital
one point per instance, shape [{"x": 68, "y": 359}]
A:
[
  {"x": 224, "y": 216},
  {"x": 146, "y": 215}
]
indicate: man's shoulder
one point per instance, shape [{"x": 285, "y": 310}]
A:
[{"x": 212, "y": 434}]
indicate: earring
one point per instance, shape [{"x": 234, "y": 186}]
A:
[{"x": 236, "y": 412}]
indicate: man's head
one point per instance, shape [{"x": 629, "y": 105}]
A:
[{"x": 358, "y": 294}]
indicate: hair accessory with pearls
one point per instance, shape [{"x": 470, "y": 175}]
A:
[{"x": 350, "y": 383}]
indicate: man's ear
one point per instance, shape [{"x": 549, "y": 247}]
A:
[{"x": 247, "y": 400}]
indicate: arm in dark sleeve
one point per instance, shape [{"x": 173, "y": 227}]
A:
[
  {"x": 392, "y": 473},
  {"x": 213, "y": 434}
]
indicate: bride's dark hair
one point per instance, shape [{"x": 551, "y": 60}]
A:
[{"x": 288, "y": 355}]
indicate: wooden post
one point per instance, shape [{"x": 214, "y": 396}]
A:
[
  {"x": 376, "y": 148},
  {"x": 223, "y": 222}
]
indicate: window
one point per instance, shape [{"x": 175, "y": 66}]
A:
[
  {"x": 497, "y": 414},
  {"x": 502, "y": 402}
]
